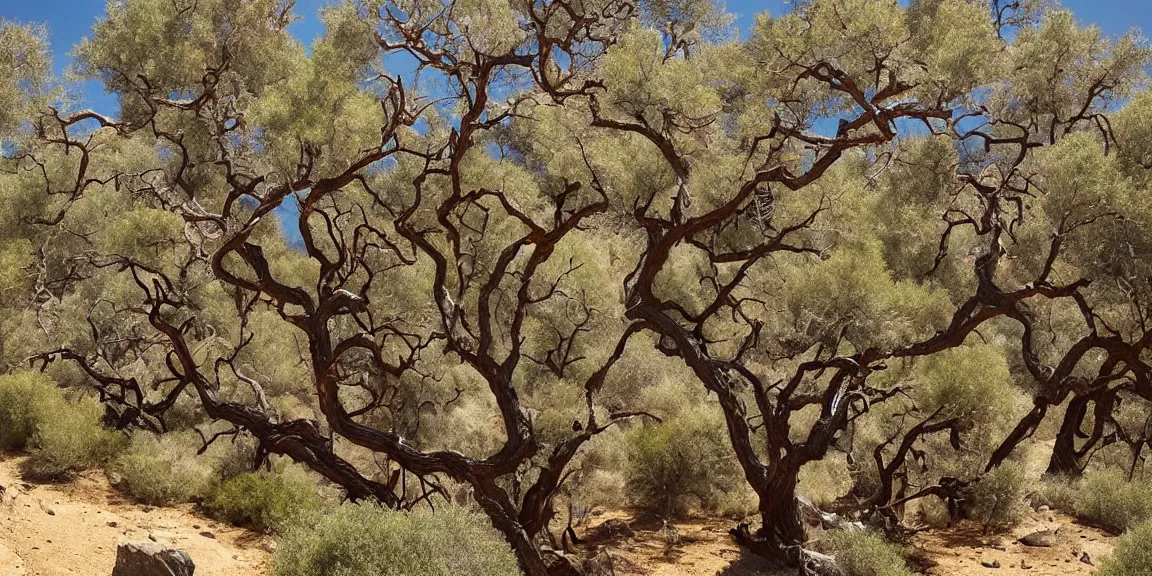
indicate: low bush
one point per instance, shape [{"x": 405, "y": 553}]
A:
[
  {"x": 680, "y": 464},
  {"x": 366, "y": 540},
  {"x": 69, "y": 440},
  {"x": 266, "y": 500},
  {"x": 866, "y": 553},
  {"x": 164, "y": 470},
  {"x": 24, "y": 398},
  {"x": 1059, "y": 493},
  {"x": 1106, "y": 499},
  {"x": 1133, "y": 554},
  {"x": 63, "y": 437},
  {"x": 996, "y": 500}
]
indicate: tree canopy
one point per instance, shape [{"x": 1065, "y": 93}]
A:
[{"x": 477, "y": 245}]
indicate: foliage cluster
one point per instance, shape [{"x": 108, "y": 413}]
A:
[
  {"x": 63, "y": 437},
  {"x": 1133, "y": 554},
  {"x": 866, "y": 553},
  {"x": 681, "y": 465},
  {"x": 997, "y": 500},
  {"x": 366, "y": 540},
  {"x": 1103, "y": 498},
  {"x": 161, "y": 470},
  {"x": 581, "y": 254},
  {"x": 266, "y": 500}
]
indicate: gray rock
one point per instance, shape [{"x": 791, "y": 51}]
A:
[
  {"x": 1041, "y": 539},
  {"x": 151, "y": 559}
]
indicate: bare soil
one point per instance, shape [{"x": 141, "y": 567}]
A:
[
  {"x": 706, "y": 549},
  {"x": 961, "y": 551},
  {"x": 73, "y": 530}
]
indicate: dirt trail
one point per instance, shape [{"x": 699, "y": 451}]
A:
[{"x": 73, "y": 529}]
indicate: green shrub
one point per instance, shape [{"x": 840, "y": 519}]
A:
[
  {"x": 69, "y": 440},
  {"x": 996, "y": 500},
  {"x": 365, "y": 540},
  {"x": 866, "y": 553},
  {"x": 1133, "y": 554},
  {"x": 24, "y": 398},
  {"x": 265, "y": 500},
  {"x": 62, "y": 437},
  {"x": 679, "y": 464},
  {"x": 1106, "y": 499},
  {"x": 164, "y": 470},
  {"x": 233, "y": 458}
]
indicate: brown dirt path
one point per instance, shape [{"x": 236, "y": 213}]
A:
[{"x": 73, "y": 530}]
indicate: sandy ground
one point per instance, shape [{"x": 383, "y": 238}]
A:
[
  {"x": 961, "y": 551},
  {"x": 706, "y": 549},
  {"x": 73, "y": 529}
]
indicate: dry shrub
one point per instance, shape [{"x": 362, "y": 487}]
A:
[
  {"x": 366, "y": 540},
  {"x": 1105, "y": 498},
  {"x": 1133, "y": 554},
  {"x": 1059, "y": 493},
  {"x": 933, "y": 511},
  {"x": 70, "y": 439},
  {"x": 266, "y": 500},
  {"x": 164, "y": 470},
  {"x": 681, "y": 464},
  {"x": 996, "y": 500},
  {"x": 866, "y": 553},
  {"x": 63, "y": 437},
  {"x": 823, "y": 481}
]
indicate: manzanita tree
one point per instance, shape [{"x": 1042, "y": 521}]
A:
[{"x": 434, "y": 235}]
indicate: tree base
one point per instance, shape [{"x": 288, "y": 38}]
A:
[{"x": 806, "y": 562}]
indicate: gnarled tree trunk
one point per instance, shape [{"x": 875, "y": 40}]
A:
[{"x": 1069, "y": 459}]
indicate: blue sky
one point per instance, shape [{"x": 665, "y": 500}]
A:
[{"x": 70, "y": 20}]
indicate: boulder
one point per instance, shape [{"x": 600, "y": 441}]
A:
[
  {"x": 1041, "y": 539},
  {"x": 151, "y": 559},
  {"x": 611, "y": 530}
]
